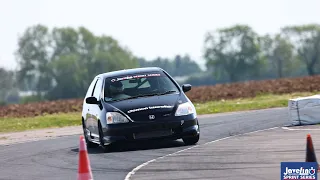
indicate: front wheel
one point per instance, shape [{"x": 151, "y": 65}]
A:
[
  {"x": 88, "y": 142},
  {"x": 191, "y": 140}
]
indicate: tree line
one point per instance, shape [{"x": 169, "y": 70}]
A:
[
  {"x": 60, "y": 62},
  {"x": 177, "y": 66},
  {"x": 238, "y": 53}
]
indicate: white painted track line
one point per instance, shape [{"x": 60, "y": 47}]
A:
[
  {"x": 293, "y": 129},
  {"x": 133, "y": 171}
]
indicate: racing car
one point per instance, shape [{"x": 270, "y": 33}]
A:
[{"x": 137, "y": 104}]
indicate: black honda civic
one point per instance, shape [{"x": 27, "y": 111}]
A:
[{"x": 138, "y": 104}]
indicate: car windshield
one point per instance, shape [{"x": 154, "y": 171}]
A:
[{"x": 138, "y": 85}]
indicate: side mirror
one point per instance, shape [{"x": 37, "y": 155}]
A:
[
  {"x": 91, "y": 100},
  {"x": 186, "y": 87}
]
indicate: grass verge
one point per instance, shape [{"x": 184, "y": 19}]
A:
[
  {"x": 69, "y": 119},
  {"x": 10, "y": 124},
  {"x": 259, "y": 102}
]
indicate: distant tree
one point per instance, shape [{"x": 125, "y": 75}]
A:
[
  {"x": 306, "y": 39},
  {"x": 178, "y": 63},
  {"x": 165, "y": 64},
  {"x": 233, "y": 51},
  {"x": 280, "y": 54},
  {"x": 185, "y": 66},
  {"x": 8, "y": 87},
  {"x": 33, "y": 60},
  {"x": 178, "y": 66},
  {"x": 143, "y": 62},
  {"x": 63, "y": 61}
]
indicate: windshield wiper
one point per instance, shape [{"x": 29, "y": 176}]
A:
[
  {"x": 157, "y": 94},
  {"x": 140, "y": 95},
  {"x": 167, "y": 92}
]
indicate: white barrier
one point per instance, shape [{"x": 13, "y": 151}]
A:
[{"x": 304, "y": 110}]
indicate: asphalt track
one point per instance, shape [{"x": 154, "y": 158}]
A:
[
  {"x": 58, "y": 158},
  {"x": 249, "y": 156}
]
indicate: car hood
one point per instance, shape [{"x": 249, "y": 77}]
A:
[{"x": 139, "y": 109}]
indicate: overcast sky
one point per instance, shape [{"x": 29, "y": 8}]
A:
[{"x": 150, "y": 28}]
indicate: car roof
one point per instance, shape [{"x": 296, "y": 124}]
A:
[{"x": 129, "y": 71}]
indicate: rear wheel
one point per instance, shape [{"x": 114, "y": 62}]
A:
[
  {"x": 89, "y": 143},
  {"x": 104, "y": 147}
]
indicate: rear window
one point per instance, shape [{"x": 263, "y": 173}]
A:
[{"x": 123, "y": 87}]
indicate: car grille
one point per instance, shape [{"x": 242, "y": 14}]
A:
[
  {"x": 152, "y": 134},
  {"x": 145, "y": 117}
]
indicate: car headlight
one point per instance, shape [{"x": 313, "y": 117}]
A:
[
  {"x": 116, "y": 118},
  {"x": 184, "y": 109}
]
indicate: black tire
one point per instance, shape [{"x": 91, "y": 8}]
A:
[
  {"x": 104, "y": 147},
  {"x": 191, "y": 140},
  {"x": 88, "y": 143}
]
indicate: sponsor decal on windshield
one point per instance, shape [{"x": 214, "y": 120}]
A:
[
  {"x": 150, "y": 107},
  {"x": 135, "y": 76}
]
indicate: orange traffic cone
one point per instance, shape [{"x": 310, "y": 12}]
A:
[
  {"x": 310, "y": 154},
  {"x": 84, "y": 169}
]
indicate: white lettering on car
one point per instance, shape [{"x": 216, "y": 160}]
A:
[
  {"x": 153, "y": 74},
  {"x": 148, "y": 108},
  {"x": 135, "y": 76}
]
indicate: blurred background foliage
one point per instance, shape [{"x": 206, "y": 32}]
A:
[{"x": 60, "y": 63}]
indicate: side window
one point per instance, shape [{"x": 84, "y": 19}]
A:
[
  {"x": 97, "y": 89},
  {"x": 90, "y": 89}
]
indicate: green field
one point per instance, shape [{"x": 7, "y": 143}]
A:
[
  {"x": 259, "y": 102},
  {"x": 70, "y": 119},
  {"x": 39, "y": 122}
]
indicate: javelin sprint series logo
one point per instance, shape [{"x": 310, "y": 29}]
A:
[{"x": 299, "y": 170}]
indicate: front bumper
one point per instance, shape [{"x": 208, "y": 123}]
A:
[{"x": 130, "y": 131}]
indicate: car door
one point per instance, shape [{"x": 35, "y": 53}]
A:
[
  {"x": 95, "y": 110},
  {"x": 86, "y": 107}
]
